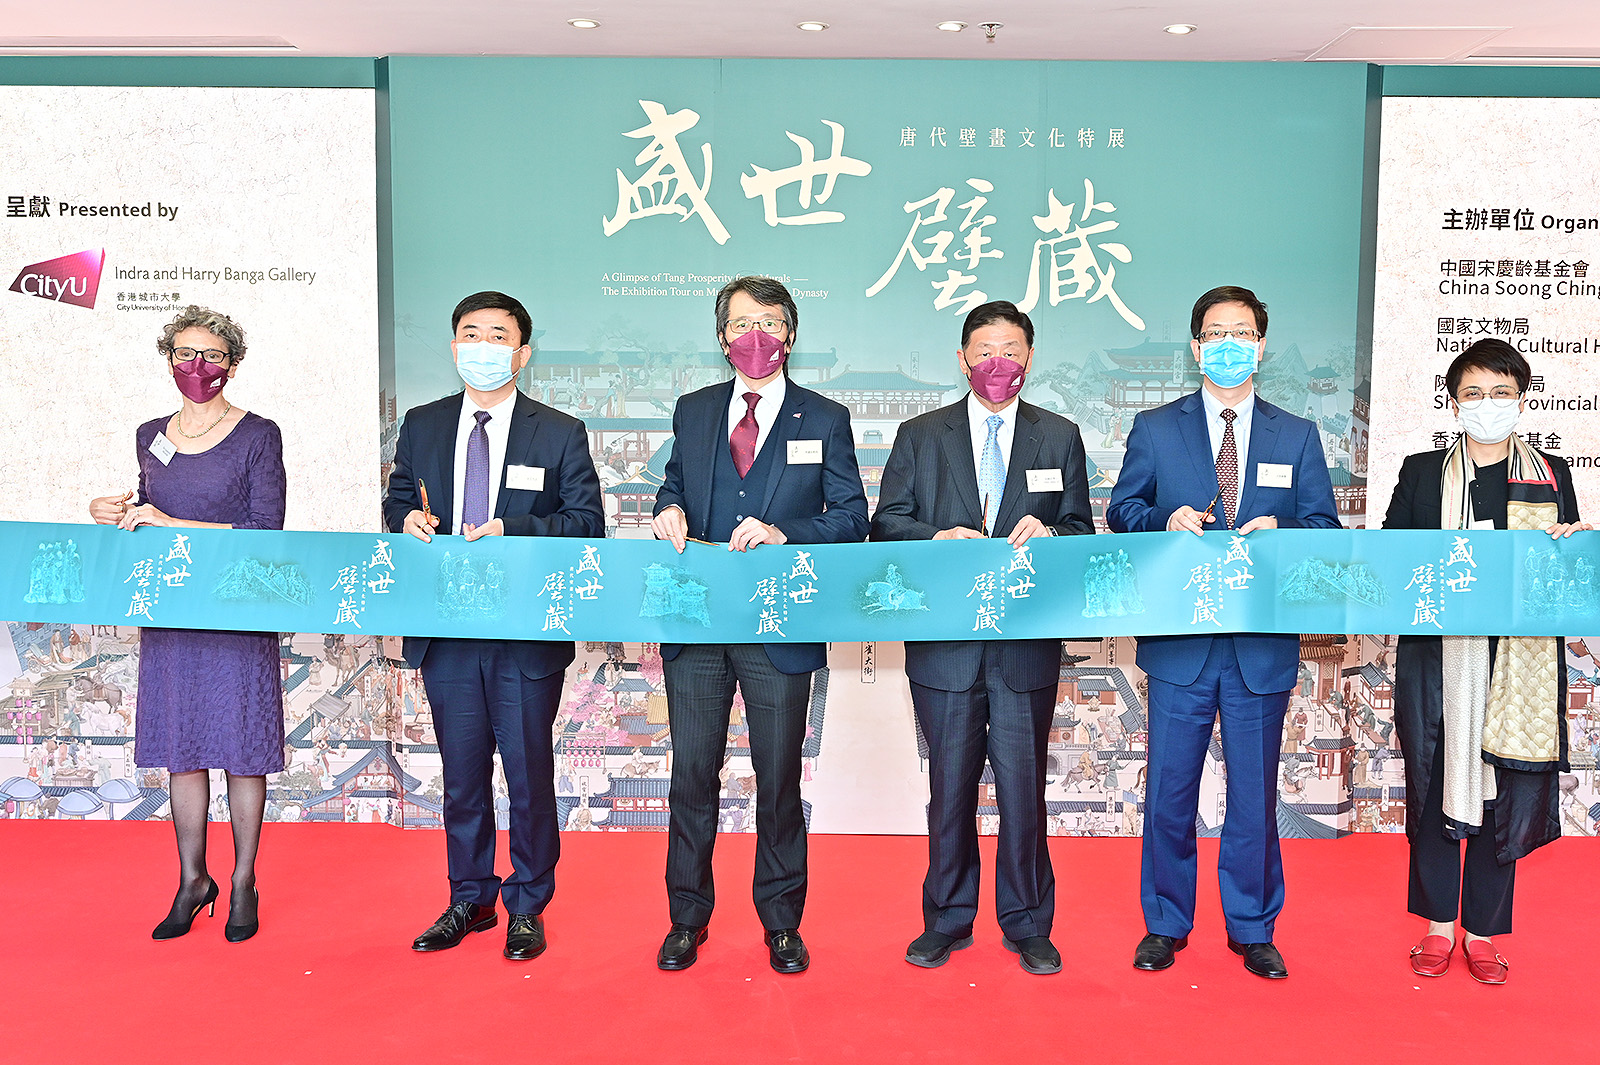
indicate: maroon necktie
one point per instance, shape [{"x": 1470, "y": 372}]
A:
[
  {"x": 1228, "y": 466},
  {"x": 742, "y": 442}
]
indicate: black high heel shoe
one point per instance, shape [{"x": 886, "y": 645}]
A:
[
  {"x": 238, "y": 933},
  {"x": 175, "y": 926}
]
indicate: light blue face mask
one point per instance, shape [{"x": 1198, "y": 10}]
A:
[
  {"x": 485, "y": 366},
  {"x": 1229, "y": 362}
]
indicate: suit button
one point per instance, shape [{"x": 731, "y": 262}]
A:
[
  {"x": 738, "y": 517},
  {"x": 741, "y": 495}
]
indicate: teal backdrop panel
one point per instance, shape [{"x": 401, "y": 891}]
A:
[{"x": 505, "y": 172}]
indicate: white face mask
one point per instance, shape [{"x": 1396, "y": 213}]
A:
[{"x": 1489, "y": 420}]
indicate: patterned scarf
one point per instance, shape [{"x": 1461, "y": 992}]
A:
[{"x": 1507, "y": 716}]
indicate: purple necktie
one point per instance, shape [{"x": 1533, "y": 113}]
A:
[
  {"x": 742, "y": 441},
  {"x": 475, "y": 498}
]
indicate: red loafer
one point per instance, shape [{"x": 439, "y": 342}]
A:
[
  {"x": 1484, "y": 962},
  {"x": 1431, "y": 957}
]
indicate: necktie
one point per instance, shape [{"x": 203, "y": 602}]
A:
[
  {"x": 475, "y": 496},
  {"x": 1228, "y": 466},
  {"x": 991, "y": 474},
  {"x": 742, "y": 441}
]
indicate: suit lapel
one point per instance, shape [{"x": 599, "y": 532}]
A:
[
  {"x": 711, "y": 434},
  {"x": 1263, "y": 444},
  {"x": 1197, "y": 440},
  {"x": 519, "y": 445},
  {"x": 442, "y": 475},
  {"x": 1026, "y": 438},
  {"x": 791, "y": 419},
  {"x": 960, "y": 470}
]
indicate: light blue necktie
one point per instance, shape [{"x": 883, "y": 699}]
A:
[{"x": 992, "y": 474}]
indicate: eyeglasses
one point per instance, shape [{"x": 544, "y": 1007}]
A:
[
  {"x": 741, "y": 326},
  {"x": 211, "y": 355},
  {"x": 1503, "y": 395},
  {"x": 1211, "y": 336}
]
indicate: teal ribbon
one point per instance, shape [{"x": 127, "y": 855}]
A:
[{"x": 532, "y": 588}]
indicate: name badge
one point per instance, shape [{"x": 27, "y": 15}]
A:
[
  {"x": 805, "y": 451},
  {"x": 1045, "y": 481},
  {"x": 525, "y": 478},
  {"x": 1274, "y": 475},
  {"x": 162, "y": 449}
]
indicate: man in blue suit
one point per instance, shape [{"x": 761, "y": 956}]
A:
[
  {"x": 755, "y": 461},
  {"x": 493, "y": 462},
  {"x": 1227, "y": 459}
]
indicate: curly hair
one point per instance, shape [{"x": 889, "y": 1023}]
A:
[{"x": 213, "y": 322}]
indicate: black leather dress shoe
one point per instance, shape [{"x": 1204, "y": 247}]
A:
[
  {"x": 932, "y": 949},
  {"x": 454, "y": 924},
  {"x": 681, "y": 948},
  {"x": 1036, "y": 953},
  {"x": 787, "y": 951},
  {"x": 524, "y": 936},
  {"x": 1155, "y": 953},
  {"x": 1262, "y": 959}
]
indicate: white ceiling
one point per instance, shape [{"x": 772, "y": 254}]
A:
[{"x": 1284, "y": 30}]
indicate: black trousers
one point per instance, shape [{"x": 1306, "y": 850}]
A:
[
  {"x": 700, "y": 686},
  {"x": 1441, "y": 885},
  {"x": 482, "y": 700},
  {"x": 1010, "y": 729}
]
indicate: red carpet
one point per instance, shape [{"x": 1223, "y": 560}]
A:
[{"x": 331, "y": 977}]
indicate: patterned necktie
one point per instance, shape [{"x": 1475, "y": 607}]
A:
[
  {"x": 991, "y": 474},
  {"x": 742, "y": 441},
  {"x": 475, "y": 498},
  {"x": 1228, "y": 466}
]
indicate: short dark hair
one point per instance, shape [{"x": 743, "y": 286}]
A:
[
  {"x": 1227, "y": 294},
  {"x": 1492, "y": 355},
  {"x": 996, "y": 311},
  {"x": 767, "y": 291},
  {"x": 495, "y": 301}
]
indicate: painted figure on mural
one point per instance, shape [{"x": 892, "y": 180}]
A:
[
  {"x": 1481, "y": 720},
  {"x": 757, "y": 462},
  {"x": 988, "y": 465},
  {"x": 490, "y": 461},
  {"x": 1225, "y": 458},
  {"x": 207, "y": 700}
]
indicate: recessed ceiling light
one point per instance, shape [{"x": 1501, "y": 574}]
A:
[
  {"x": 584, "y": 23},
  {"x": 1179, "y": 29},
  {"x": 811, "y": 27},
  {"x": 952, "y": 27}
]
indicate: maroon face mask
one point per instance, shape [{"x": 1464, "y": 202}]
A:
[
  {"x": 756, "y": 354},
  {"x": 198, "y": 379},
  {"x": 997, "y": 378}
]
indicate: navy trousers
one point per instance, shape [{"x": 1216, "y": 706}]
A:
[
  {"x": 700, "y": 684},
  {"x": 1249, "y": 870},
  {"x": 1010, "y": 729},
  {"x": 482, "y": 700}
]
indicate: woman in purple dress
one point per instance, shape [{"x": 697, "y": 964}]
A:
[{"x": 207, "y": 700}]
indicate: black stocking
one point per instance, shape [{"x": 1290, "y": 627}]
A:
[
  {"x": 247, "y": 801},
  {"x": 191, "y": 796}
]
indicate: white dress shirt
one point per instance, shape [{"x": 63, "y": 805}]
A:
[
  {"x": 498, "y": 429},
  {"x": 978, "y": 423},
  {"x": 1215, "y": 427},
  {"x": 767, "y": 407}
]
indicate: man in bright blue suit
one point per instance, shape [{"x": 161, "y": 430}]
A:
[
  {"x": 1225, "y": 458},
  {"x": 756, "y": 462}
]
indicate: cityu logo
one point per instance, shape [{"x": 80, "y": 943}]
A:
[{"x": 71, "y": 279}]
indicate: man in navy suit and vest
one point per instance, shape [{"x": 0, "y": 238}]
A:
[
  {"x": 989, "y": 465},
  {"x": 1226, "y": 460},
  {"x": 489, "y": 461},
  {"x": 756, "y": 462}
]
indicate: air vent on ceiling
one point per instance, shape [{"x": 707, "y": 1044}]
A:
[{"x": 1406, "y": 44}]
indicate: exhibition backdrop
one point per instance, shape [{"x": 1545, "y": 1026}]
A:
[{"x": 614, "y": 197}]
